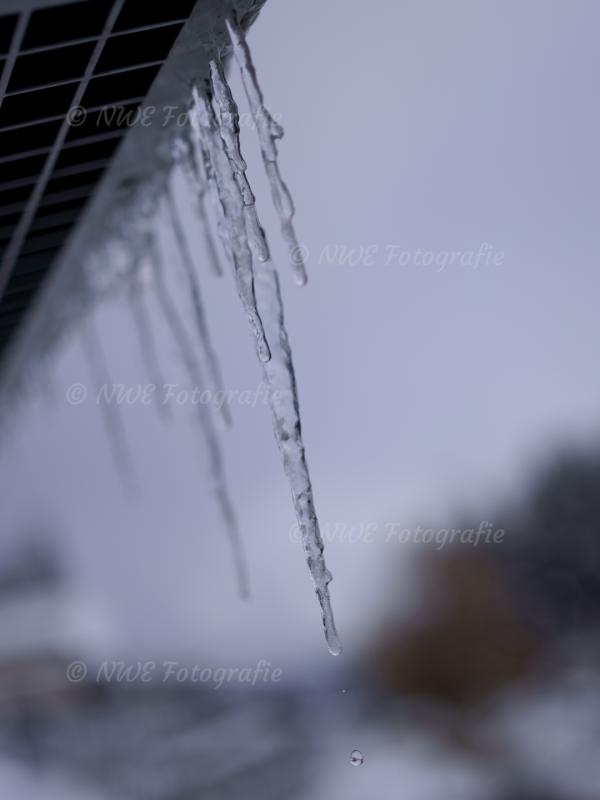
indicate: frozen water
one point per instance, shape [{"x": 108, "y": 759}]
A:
[
  {"x": 217, "y": 471},
  {"x": 268, "y": 133},
  {"x": 283, "y": 398},
  {"x": 229, "y": 128},
  {"x": 228, "y": 165},
  {"x": 235, "y": 224},
  {"x": 356, "y": 758},
  {"x": 201, "y": 150},
  {"x": 213, "y": 165},
  {"x": 194, "y": 169},
  {"x": 147, "y": 344},
  {"x": 211, "y": 362}
]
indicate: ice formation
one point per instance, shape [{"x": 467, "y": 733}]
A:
[
  {"x": 147, "y": 344},
  {"x": 194, "y": 169},
  {"x": 211, "y": 362},
  {"x": 283, "y": 397},
  {"x": 217, "y": 472},
  {"x": 268, "y": 133},
  {"x": 229, "y": 129},
  {"x": 216, "y": 128},
  {"x": 210, "y": 156},
  {"x": 235, "y": 221}
]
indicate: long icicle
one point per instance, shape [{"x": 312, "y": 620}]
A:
[
  {"x": 210, "y": 357},
  {"x": 268, "y": 133},
  {"x": 147, "y": 345},
  {"x": 235, "y": 227},
  {"x": 111, "y": 413},
  {"x": 217, "y": 471},
  {"x": 280, "y": 377}
]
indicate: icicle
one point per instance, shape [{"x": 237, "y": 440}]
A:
[
  {"x": 268, "y": 133},
  {"x": 111, "y": 413},
  {"x": 194, "y": 171},
  {"x": 147, "y": 344},
  {"x": 235, "y": 229},
  {"x": 203, "y": 157},
  {"x": 230, "y": 130},
  {"x": 217, "y": 472},
  {"x": 283, "y": 398},
  {"x": 279, "y": 375},
  {"x": 210, "y": 357}
]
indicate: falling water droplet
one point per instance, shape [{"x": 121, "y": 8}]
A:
[{"x": 356, "y": 758}]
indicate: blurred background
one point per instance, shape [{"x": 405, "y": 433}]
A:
[{"x": 438, "y": 395}]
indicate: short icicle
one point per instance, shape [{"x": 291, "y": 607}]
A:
[
  {"x": 193, "y": 167},
  {"x": 268, "y": 133},
  {"x": 235, "y": 230},
  {"x": 230, "y": 133},
  {"x": 202, "y": 150},
  {"x": 217, "y": 470},
  {"x": 280, "y": 377},
  {"x": 210, "y": 357},
  {"x": 147, "y": 345}
]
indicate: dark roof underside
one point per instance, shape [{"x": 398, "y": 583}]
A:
[{"x": 101, "y": 55}]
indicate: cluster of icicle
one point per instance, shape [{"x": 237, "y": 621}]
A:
[{"x": 209, "y": 154}]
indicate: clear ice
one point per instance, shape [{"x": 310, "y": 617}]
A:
[
  {"x": 216, "y": 468},
  {"x": 229, "y": 129},
  {"x": 235, "y": 228},
  {"x": 193, "y": 165},
  {"x": 211, "y": 362},
  {"x": 268, "y": 133},
  {"x": 283, "y": 399},
  {"x": 220, "y": 139},
  {"x": 147, "y": 344}
]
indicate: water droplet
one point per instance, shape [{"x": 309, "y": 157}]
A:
[{"x": 356, "y": 758}]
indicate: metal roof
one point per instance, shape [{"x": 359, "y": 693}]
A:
[{"x": 92, "y": 54}]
